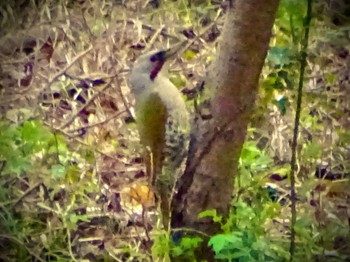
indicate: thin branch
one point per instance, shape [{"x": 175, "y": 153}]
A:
[
  {"x": 70, "y": 248},
  {"x": 296, "y": 128},
  {"x": 81, "y": 142},
  {"x": 149, "y": 28},
  {"x": 190, "y": 230},
  {"x": 71, "y": 119},
  {"x": 75, "y": 59},
  {"x": 125, "y": 103},
  {"x": 155, "y": 37},
  {"x": 23, "y": 244},
  {"x": 28, "y": 192},
  {"x": 98, "y": 123}
]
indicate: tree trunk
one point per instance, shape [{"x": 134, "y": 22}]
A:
[{"x": 230, "y": 89}]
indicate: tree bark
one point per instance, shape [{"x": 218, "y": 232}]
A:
[{"x": 230, "y": 88}]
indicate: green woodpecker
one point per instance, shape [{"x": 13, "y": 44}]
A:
[{"x": 163, "y": 123}]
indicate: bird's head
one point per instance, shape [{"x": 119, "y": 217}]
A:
[
  {"x": 152, "y": 63},
  {"x": 148, "y": 68}
]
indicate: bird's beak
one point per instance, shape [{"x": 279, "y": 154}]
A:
[
  {"x": 172, "y": 52},
  {"x": 162, "y": 57}
]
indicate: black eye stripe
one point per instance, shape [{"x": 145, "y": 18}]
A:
[
  {"x": 153, "y": 58},
  {"x": 157, "y": 56}
]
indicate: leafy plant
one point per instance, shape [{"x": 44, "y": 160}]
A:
[
  {"x": 245, "y": 236},
  {"x": 34, "y": 158}
]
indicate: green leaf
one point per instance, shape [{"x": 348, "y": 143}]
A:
[
  {"x": 344, "y": 137},
  {"x": 303, "y": 227},
  {"x": 279, "y": 55},
  {"x": 245, "y": 176},
  {"x": 294, "y": 7},
  {"x": 312, "y": 150},
  {"x": 177, "y": 251},
  {"x": 190, "y": 242},
  {"x": 229, "y": 246},
  {"x": 218, "y": 242},
  {"x": 211, "y": 213},
  {"x": 290, "y": 16},
  {"x": 189, "y": 55},
  {"x": 178, "y": 80},
  {"x": 207, "y": 213},
  {"x": 33, "y": 131},
  {"x": 284, "y": 76},
  {"x": 17, "y": 164},
  {"x": 58, "y": 144},
  {"x": 330, "y": 79},
  {"x": 76, "y": 218},
  {"x": 73, "y": 173},
  {"x": 252, "y": 160},
  {"x": 58, "y": 171},
  {"x": 282, "y": 104}
]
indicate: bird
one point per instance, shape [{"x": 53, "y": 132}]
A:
[{"x": 163, "y": 123}]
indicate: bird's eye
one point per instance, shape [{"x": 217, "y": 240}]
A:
[
  {"x": 157, "y": 56},
  {"x": 153, "y": 58}
]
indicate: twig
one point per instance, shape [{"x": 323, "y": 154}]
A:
[
  {"x": 28, "y": 192},
  {"x": 71, "y": 119},
  {"x": 144, "y": 221},
  {"x": 154, "y": 37},
  {"x": 23, "y": 244},
  {"x": 98, "y": 123},
  {"x": 125, "y": 103},
  {"x": 70, "y": 249},
  {"x": 2, "y": 165},
  {"x": 75, "y": 59},
  {"x": 149, "y": 28},
  {"x": 296, "y": 128},
  {"x": 91, "y": 35},
  {"x": 56, "y": 147},
  {"x": 191, "y": 230},
  {"x": 81, "y": 142}
]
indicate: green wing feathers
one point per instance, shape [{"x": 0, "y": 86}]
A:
[
  {"x": 162, "y": 133},
  {"x": 151, "y": 117}
]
